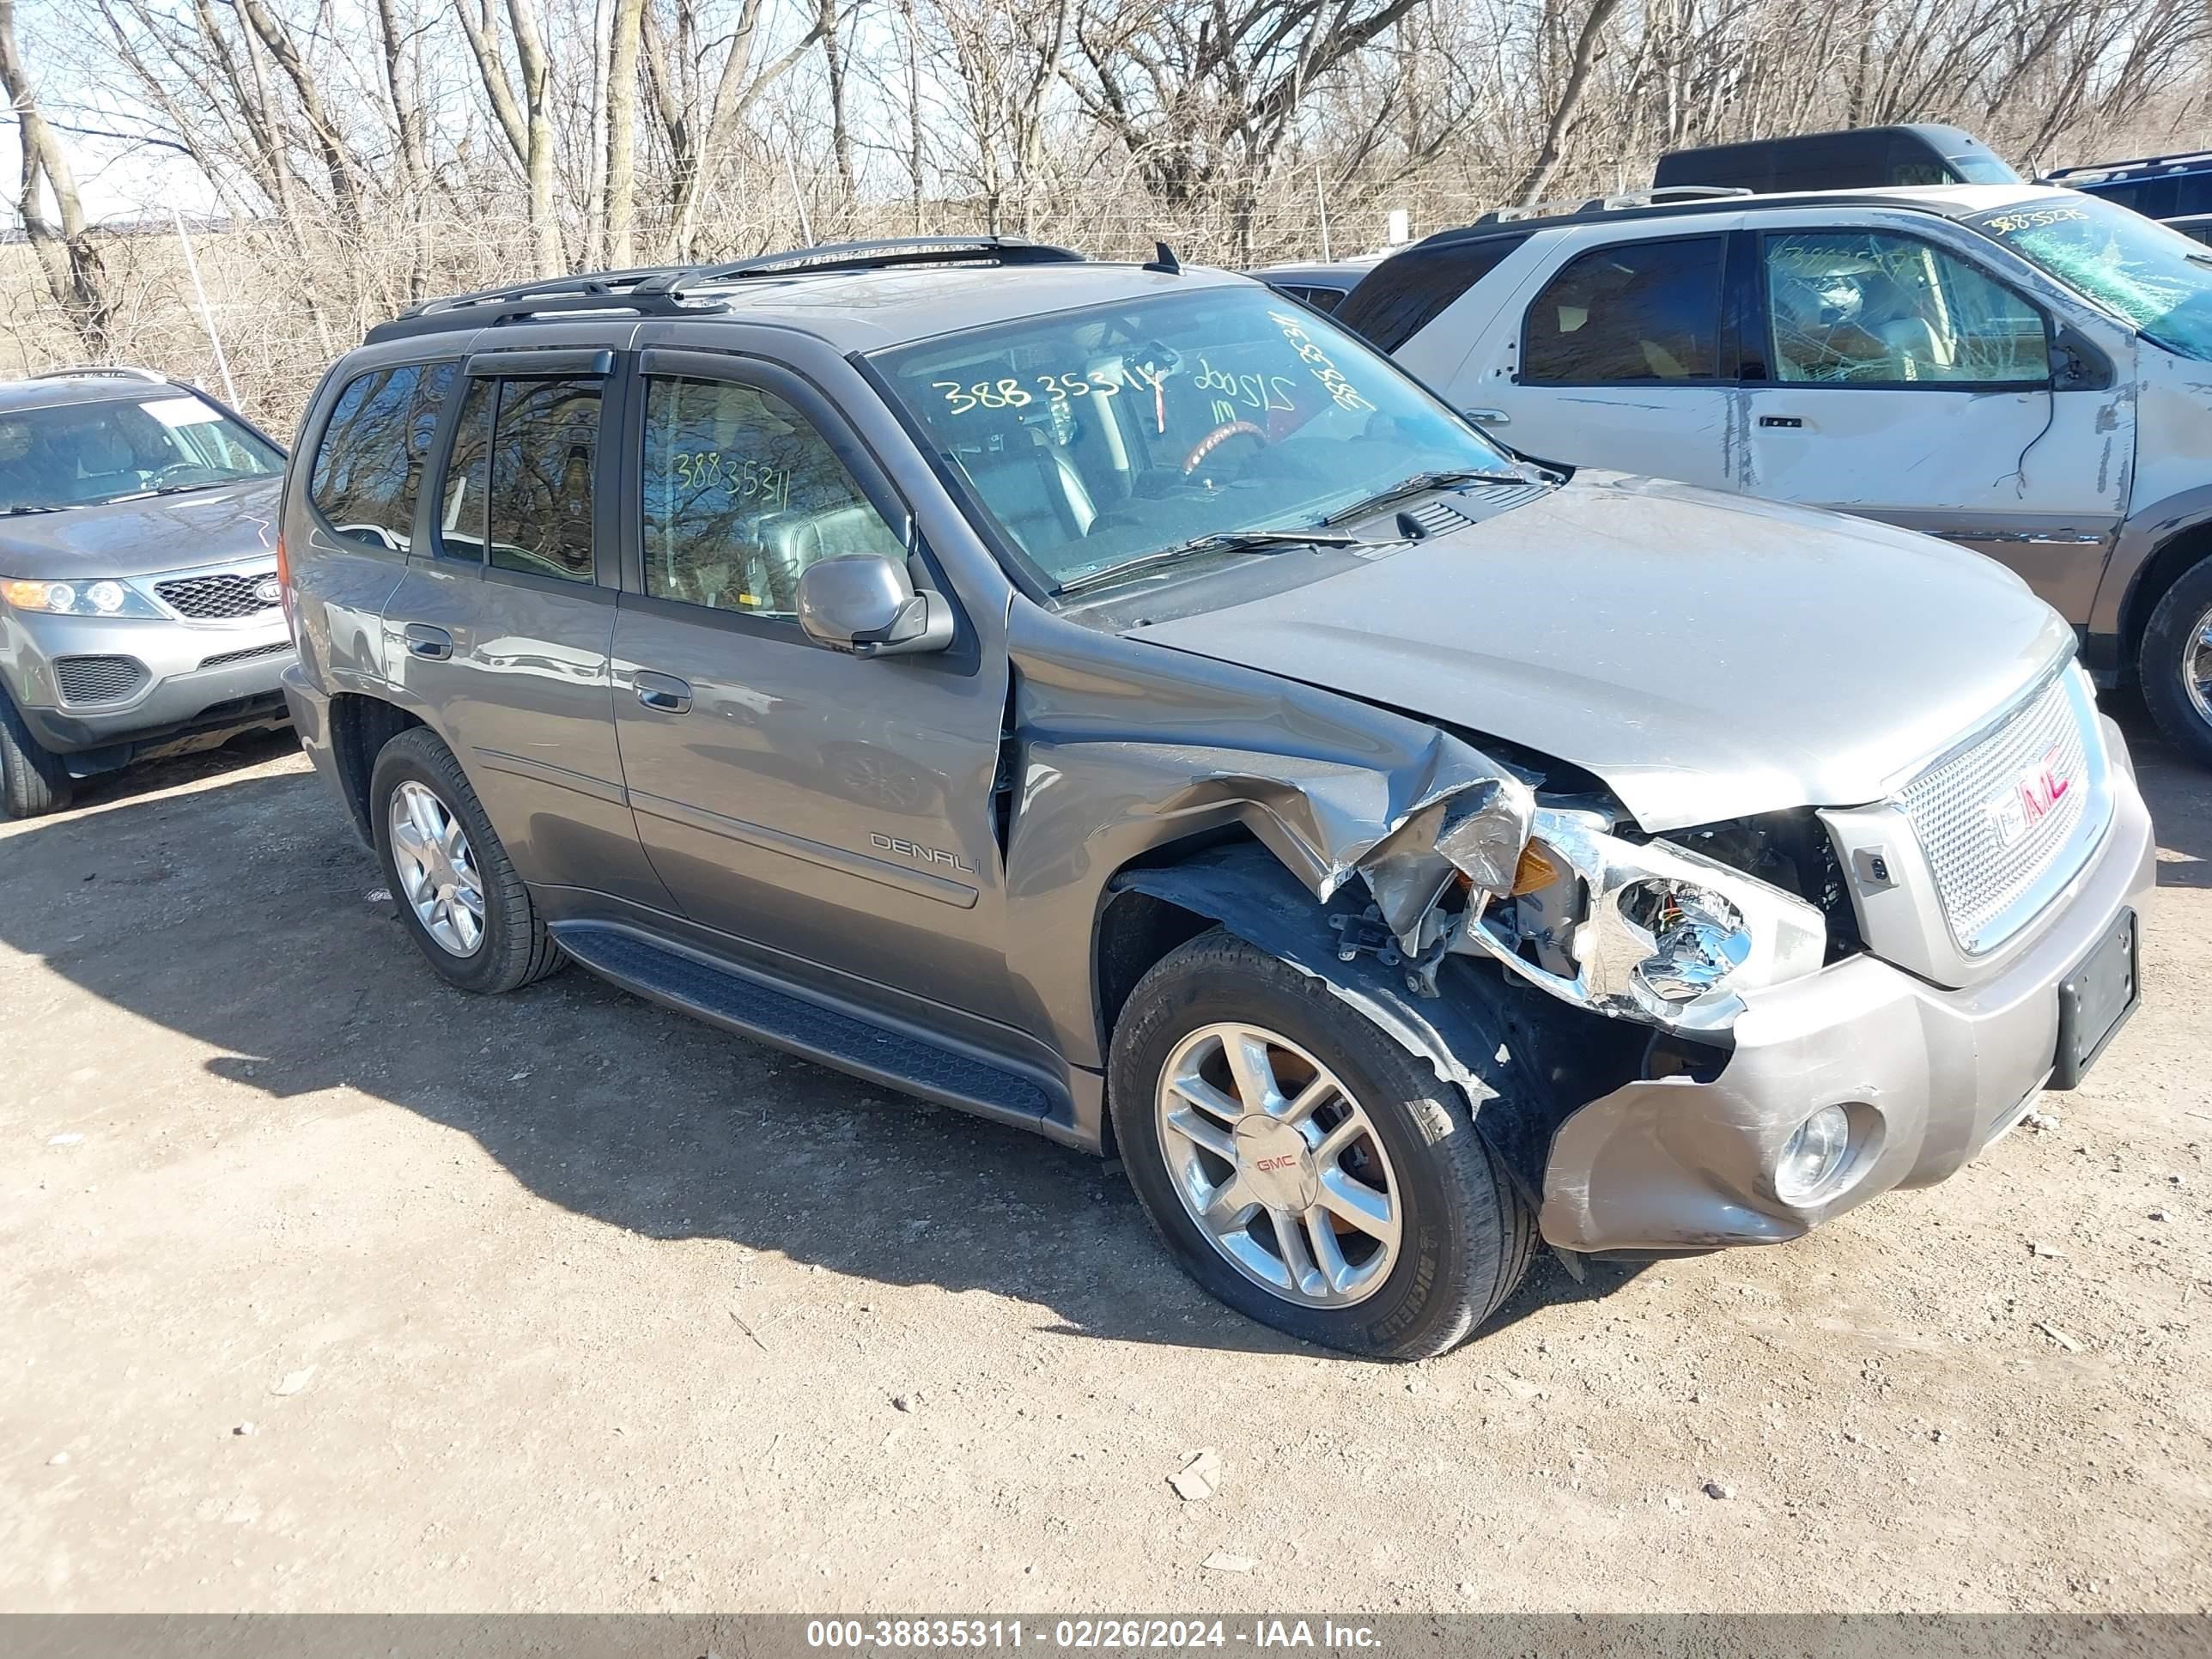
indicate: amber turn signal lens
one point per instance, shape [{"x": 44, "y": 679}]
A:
[{"x": 1534, "y": 871}]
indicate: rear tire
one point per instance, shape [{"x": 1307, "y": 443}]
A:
[
  {"x": 34, "y": 780},
  {"x": 508, "y": 946},
  {"x": 1460, "y": 1238},
  {"x": 2175, "y": 662}
]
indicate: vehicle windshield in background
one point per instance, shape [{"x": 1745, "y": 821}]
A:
[
  {"x": 2153, "y": 277},
  {"x": 82, "y": 454},
  {"x": 1098, "y": 436}
]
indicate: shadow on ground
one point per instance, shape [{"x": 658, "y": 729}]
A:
[{"x": 241, "y": 916}]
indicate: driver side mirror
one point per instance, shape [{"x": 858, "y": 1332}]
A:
[
  {"x": 2075, "y": 365},
  {"x": 866, "y": 605}
]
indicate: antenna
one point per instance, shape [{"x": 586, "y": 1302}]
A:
[{"x": 1164, "y": 261}]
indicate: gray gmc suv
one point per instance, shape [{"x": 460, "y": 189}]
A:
[
  {"x": 1113, "y": 701},
  {"x": 139, "y": 607}
]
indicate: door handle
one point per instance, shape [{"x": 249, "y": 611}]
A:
[
  {"x": 662, "y": 693},
  {"x": 1782, "y": 420},
  {"x": 1488, "y": 416},
  {"x": 432, "y": 644}
]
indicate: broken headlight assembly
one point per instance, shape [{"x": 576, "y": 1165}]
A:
[{"x": 1643, "y": 930}]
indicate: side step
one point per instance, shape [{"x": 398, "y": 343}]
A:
[{"x": 894, "y": 1056}]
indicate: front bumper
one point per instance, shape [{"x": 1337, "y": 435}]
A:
[
  {"x": 1674, "y": 1163},
  {"x": 190, "y": 679}
]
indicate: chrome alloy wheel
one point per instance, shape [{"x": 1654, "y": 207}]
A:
[
  {"x": 1277, "y": 1164},
  {"x": 431, "y": 853},
  {"x": 2197, "y": 667}
]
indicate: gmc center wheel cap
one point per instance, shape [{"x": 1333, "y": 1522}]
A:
[{"x": 1276, "y": 1163}]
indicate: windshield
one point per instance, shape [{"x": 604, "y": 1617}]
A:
[
  {"x": 81, "y": 454},
  {"x": 2152, "y": 277},
  {"x": 1098, "y": 436}
]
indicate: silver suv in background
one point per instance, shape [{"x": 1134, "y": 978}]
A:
[
  {"x": 1116, "y": 702},
  {"x": 140, "y": 611},
  {"x": 2018, "y": 370}
]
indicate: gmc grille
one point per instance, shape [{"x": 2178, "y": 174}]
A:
[{"x": 1989, "y": 854}]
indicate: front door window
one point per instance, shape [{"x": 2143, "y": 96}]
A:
[{"x": 1858, "y": 308}]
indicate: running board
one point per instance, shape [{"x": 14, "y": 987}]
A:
[{"x": 894, "y": 1056}]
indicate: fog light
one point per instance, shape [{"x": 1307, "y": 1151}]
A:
[{"x": 1815, "y": 1156}]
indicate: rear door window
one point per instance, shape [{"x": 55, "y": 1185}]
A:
[
  {"x": 369, "y": 464},
  {"x": 1407, "y": 292},
  {"x": 519, "y": 483},
  {"x": 1630, "y": 312}
]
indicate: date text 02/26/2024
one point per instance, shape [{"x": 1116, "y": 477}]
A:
[{"x": 1110, "y": 1634}]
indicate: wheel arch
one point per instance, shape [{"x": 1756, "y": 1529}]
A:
[
  {"x": 361, "y": 725},
  {"x": 2156, "y": 548},
  {"x": 2173, "y": 558},
  {"x": 1487, "y": 1037}
]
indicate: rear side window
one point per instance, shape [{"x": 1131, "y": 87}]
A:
[
  {"x": 2192, "y": 194},
  {"x": 368, "y": 466},
  {"x": 2152, "y": 197},
  {"x": 1634, "y": 312},
  {"x": 519, "y": 482},
  {"x": 742, "y": 493},
  {"x": 1404, "y": 295}
]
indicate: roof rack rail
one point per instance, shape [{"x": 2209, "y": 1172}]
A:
[
  {"x": 887, "y": 254},
  {"x": 104, "y": 372},
  {"x": 1619, "y": 202},
  {"x": 666, "y": 290},
  {"x": 2096, "y": 169},
  {"x": 594, "y": 291}
]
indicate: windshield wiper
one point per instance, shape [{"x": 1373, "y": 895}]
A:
[
  {"x": 170, "y": 490},
  {"x": 14, "y": 512},
  {"x": 1421, "y": 483},
  {"x": 1221, "y": 541}
]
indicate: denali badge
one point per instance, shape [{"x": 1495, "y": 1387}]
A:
[
  {"x": 269, "y": 591},
  {"x": 2029, "y": 799},
  {"x": 924, "y": 855}
]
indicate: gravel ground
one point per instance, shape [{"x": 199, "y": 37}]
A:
[{"x": 329, "y": 1288}]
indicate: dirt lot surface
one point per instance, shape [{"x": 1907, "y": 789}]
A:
[{"x": 326, "y": 1287}]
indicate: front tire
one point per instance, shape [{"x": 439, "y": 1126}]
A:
[
  {"x": 2175, "y": 662},
  {"x": 1303, "y": 1167},
  {"x": 34, "y": 780},
  {"x": 457, "y": 890}
]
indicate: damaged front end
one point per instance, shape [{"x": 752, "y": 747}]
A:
[
  {"x": 1643, "y": 931},
  {"x": 1471, "y": 863}
]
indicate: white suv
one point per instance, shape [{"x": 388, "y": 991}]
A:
[{"x": 2020, "y": 370}]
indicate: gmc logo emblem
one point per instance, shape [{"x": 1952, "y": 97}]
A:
[
  {"x": 1283, "y": 1163},
  {"x": 2029, "y": 799}
]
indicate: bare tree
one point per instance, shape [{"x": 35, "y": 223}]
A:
[
  {"x": 1588, "y": 42},
  {"x": 528, "y": 125},
  {"x": 74, "y": 275}
]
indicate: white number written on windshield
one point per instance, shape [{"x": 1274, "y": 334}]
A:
[
  {"x": 1010, "y": 393},
  {"x": 1318, "y": 361}
]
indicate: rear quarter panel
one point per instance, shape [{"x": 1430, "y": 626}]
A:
[{"x": 341, "y": 583}]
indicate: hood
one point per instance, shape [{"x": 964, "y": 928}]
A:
[
  {"x": 143, "y": 537},
  {"x": 1708, "y": 657}
]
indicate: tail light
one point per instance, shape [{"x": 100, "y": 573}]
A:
[{"x": 284, "y": 587}]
